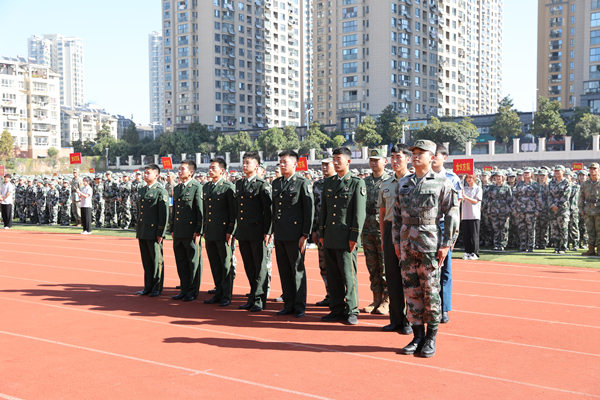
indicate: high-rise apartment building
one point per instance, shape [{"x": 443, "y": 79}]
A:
[
  {"x": 65, "y": 56},
  {"x": 156, "y": 76},
  {"x": 233, "y": 65},
  {"x": 422, "y": 57},
  {"x": 306, "y": 45},
  {"x": 569, "y": 52}
]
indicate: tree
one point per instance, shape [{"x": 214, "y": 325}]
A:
[
  {"x": 386, "y": 124},
  {"x": 572, "y": 121},
  {"x": 366, "y": 133},
  {"x": 315, "y": 138},
  {"x": 338, "y": 141},
  {"x": 457, "y": 134},
  {"x": 588, "y": 126},
  {"x": 242, "y": 142},
  {"x": 547, "y": 121},
  {"x": 53, "y": 152},
  {"x": 290, "y": 138},
  {"x": 131, "y": 135},
  {"x": 6, "y": 144},
  {"x": 506, "y": 123},
  {"x": 271, "y": 140},
  {"x": 103, "y": 133},
  {"x": 85, "y": 148},
  {"x": 397, "y": 128}
]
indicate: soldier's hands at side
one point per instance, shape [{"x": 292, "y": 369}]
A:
[
  {"x": 302, "y": 245},
  {"x": 268, "y": 239},
  {"x": 315, "y": 237},
  {"x": 554, "y": 208},
  {"x": 352, "y": 245},
  {"x": 229, "y": 239},
  {"x": 197, "y": 238},
  {"x": 398, "y": 251},
  {"x": 321, "y": 241},
  {"x": 442, "y": 254},
  {"x": 159, "y": 239}
]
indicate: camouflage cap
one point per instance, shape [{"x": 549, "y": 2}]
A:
[
  {"x": 594, "y": 165},
  {"x": 326, "y": 160},
  {"x": 486, "y": 173},
  {"x": 426, "y": 145},
  {"x": 501, "y": 173},
  {"x": 583, "y": 173},
  {"x": 559, "y": 168},
  {"x": 568, "y": 172},
  {"x": 108, "y": 172},
  {"x": 543, "y": 171},
  {"x": 512, "y": 174},
  {"x": 519, "y": 172},
  {"x": 377, "y": 153},
  {"x": 527, "y": 169},
  {"x": 354, "y": 171}
]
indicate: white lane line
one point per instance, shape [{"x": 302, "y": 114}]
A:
[
  {"x": 304, "y": 345},
  {"x": 527, "y": 319},
  {"x": 526, "y": 287},
  {"x": 525, "y": 300},
  {"x": 7, "y": 397},
  {"x": 103, "y": 250},
  {"x": 562, "y": 278},
  {"x": 480, "y": 263},
  {"x": 160, "y": 364}
]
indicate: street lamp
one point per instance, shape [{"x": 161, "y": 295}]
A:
[{"x": 106, "y": 158}]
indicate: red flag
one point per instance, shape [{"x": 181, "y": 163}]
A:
[
  {"x": 488, "y": 168},
  {"x": 75, "y": 158},
  {"x": 577, "y": 166},
  {"x": 167, "y": 163},
  {"x": 463, "y": 166},
  {"x": 302, "y": 164}
]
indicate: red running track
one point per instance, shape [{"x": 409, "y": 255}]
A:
[{"x": 71, "y": 328}]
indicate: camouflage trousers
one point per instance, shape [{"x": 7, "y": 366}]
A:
[
  {"x": 41, "y": 214},
  {"x": 125, "y": 214},
  {"x": 583, "y": 235},
  {"x": 559, "y": 225},
  {"x": 542, "y": 225},
  {"x": 322, "y": 269},
  {"x": 269, "y": 267},
  {"x": 32, "y": 210},
  {"x": 110, "y": 213},
  {"x": 486, "y": 236},
  {"x": 526, "y": 229},
  {"x": 374, "y": 259},
  {"x": 421, "y": 280},
  {"x": 98, "y": 213},
  {"x": 592, "y": 224},
  {"x": 134, "y": 211},
  {"x": 513, "y": 231},
  {"x": 21, "y": 211},
  {"x": 574, "y": 229},
  {"x": 52, "y": 214},
  {"x": 500, "y": 229},
  {"x": 64, "y": 213}
]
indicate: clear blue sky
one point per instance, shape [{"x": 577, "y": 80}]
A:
[{"x": 115, "y": 38}]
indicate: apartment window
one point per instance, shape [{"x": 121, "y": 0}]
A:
[
  {"x": 595, "y": 54},
  {"x": 572, "y": 64},
  {"x": 572, "y": 20},
  {"x": 350, "y": 68},
  {"x": 594, "y": 71},
  {"x": 349, "y": 12},
  {"x": 555, "y": 33},
  {"x": 350, "y": 54},
  {"x": 350, "y": 26},
  {"x": 557, "y": 10},
  {"x": 345, "y": 2},
  {"x": 595, "y": 5},
  {"x": 572, "y": 54},
  {"x": 349, "y": 40},
  {"x": 572, "y": 31},
  {"x": 349, "y": 81},
  {"x": 595, "y": 37}
]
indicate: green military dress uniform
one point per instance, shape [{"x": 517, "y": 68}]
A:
[
  {"x": 253, "y": 222},
  {"x": 219, "y": 220},
  {"x": 343, "y": 211},
  {"x": 293, "y": 209},
  {"x": 184, "y": 222},
  {"x": 153, "y": 214}
]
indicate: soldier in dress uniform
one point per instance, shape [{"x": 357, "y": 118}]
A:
[
  {"x": 253, "y": 230},
  {"x": 343, "y": 211},
  {"x": 152, "y": 225}
]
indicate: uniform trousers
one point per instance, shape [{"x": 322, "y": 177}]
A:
[
  {"x": 255, "y": 263},
  {"x": 341, "y": 281},
  {"x": 7, "y": 215},
  {"x": 188, "y": 257},
  {"x": 153, "y": 263},
  {"x": 219, "y": 257},
  {"x": 393, "y": 276},
  {"x": 290, "y": 262}
]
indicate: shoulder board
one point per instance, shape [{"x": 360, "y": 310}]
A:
[{"x": 356, "y": 178}]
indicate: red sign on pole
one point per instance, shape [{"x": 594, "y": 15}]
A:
[
  {"x": 75, "y": 158},
  {"x": 302, "y": 164},
  {"x": 167, "y": 163},
  {"x": 92, "y": 171},
  {"x": 577, "y": 166},
  {"x": 463, "y": 166},
  {"x": 488, "y": 168},
  {"x": 2, "y": 173}
]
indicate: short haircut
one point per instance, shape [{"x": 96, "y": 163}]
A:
[
  {"x": 220, "y": 161},
  {"x": 191, "y": 164},
  {"x": 441, "y": 149},
  {"x": 342, "y": 150},
  {"x": 401, "y": 148},
  {"x": 289, "y": 153},
  {"x": 9, "y": 176},
  {"x": 252, "y": 154},
  {"x": 153, "y": 167}
]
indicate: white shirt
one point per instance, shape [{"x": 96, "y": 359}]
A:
[
  {"x": 86, "y": 202},
  {"x": 470, "y": 210},
  {"x": 7, "y": 188}
]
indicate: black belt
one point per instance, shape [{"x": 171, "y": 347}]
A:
[
  {"x": 372, "y": 211},
  {"x": 388, "y": 222},
  {"x": 418, "y": 221}
]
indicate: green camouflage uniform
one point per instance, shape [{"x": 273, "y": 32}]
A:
[
  {"x": 559, "y": 194},
  {"x": 20, "y": 202},
  {"x": 543, "y": 220},
  {"x": 419, "y": 206},
  {"x": 371, "y": 236},
  {"x": 527, "y": 203},
  {"x": 486, "y": 235},
  {"x": 52, "y": 199},
  {"x": 31, "y": 203},
  {"x": 513, "y": 232},
  {"x": 111, "y": 190},
  {"x": 40, "y": 203},
  {"x": 135, "y": 187},
  {"x": 98, "y": 204},
  {"x": 64, "y": 210},
  {"x": 125, "y": 204},
  {"x": 498, "y": 208},
  {"x": 574, "y": 216},
  {"x": 589, "y": 204}
]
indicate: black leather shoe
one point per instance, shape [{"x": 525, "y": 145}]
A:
[
  {"x": 352, "y": 320},
  {"x": 189, "y": 297},
  {"x": 417, "y": 342},
  {"x": 212, "y": 291},
  {"x": 177, "y": 287},
  {"x": 285, "y": 311},
  {"x": 299, "y": 314},
  {"x": 331, "y": 317},
  {"x": 428, "y": 349},
  {"x": 323, "y": 303},
  {"x": 224, "y": 303},
  {"x": 246, "y": 306},
  {"x": 143, "y": 293},
  {"x": 178, "y": 296},
  {"x": 391, "y": 328},
  {"x": 407, "y": 330},
  {"x": 212, "y": 300},
  {"x": 248, "y": 294},
  {"x": 445, "y": 318},
  {"x": 154, "y": 293},
  {"x": 256, "y": 309}
]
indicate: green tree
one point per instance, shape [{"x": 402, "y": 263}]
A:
[
  {"x": 271, "y": 140},
  {"x": 242, "y": 142},
  {"x": 6, "y": 145},
  {"x": 53, "y": 152},
  {"x": 386, "y": 124},
  {"x": 588, "y": 126},
  {"x": 572, "y": 121},
  {"x": 506, "y": 123},
  {"x": 224, "y": 144},
  {"x": 338, "y": 141},
  {"x": 290, "y": 138},
  {"x": 366, "y": 133},
  {"x": 456, "y": 134},
  {"x": 547, "y": 121},
  {"x": 131, "y": 134},
  {"x": 103, "y": 133},
  {"x": 85, "y": 148},
  {"x": 397, "y": 128},
  {"x": 315, "y": 138}
]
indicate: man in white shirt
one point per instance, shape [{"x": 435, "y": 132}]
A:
[{"x": 7, "y": 191}]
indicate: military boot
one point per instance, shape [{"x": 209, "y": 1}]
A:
[
  {"x": 417, "y": 342},
  {"x": 428, "y": 349},
  {"x": 377, "y": 298},
  {"x": 384, "y": 307}
]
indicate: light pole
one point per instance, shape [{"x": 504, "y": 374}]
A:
[{"x": 106, "y": 158}]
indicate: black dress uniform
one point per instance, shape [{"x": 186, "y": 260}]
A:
[
  {"x": 343, "y": 212},
  {"x": 293, "y": 210},
  {"x": 253, "y": 222},
  {"x": 186, "y": 220},
  {"x": 219, "y": 220},
  {"x": 153, "y": 214}
]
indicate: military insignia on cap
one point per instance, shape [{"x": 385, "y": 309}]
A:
[
  {"x": 291, "y": 189},
  {"x": 363, "y": 190}
]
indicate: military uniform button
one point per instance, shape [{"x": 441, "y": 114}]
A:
[
  {"x": 241, "y": 218},
  {"x": 209, "y": 220},
  {"x": 334, "y": 215},
  {"x": 333, "y": 223}
]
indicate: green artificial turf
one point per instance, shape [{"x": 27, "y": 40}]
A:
[{"x": 541, "y": 257}]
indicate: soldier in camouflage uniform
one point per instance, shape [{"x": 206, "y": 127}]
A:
[
  {"x": 135, "y": 187},
  {"x": 31, "y": 204},
  {"x": 589, "y": 204},
  {"x": 40, "y": 202},
  {"x": 423, "y": 197},
  {"x": 499, "y": 203},
  {"x": 486, "y": 237},
  {"x": 573, "y": 213},
  {"x": 52, "y": 197},
  {"x": 583, "y": 236},
  {"x": 20, "y": 191},
  {"x": 559, "y": 193},
  {"x": 527, "y": 203},
  {"x": 98, "y": 201},
  {"x": 64, "y": 202},
  {"x": 111, "y": 189},
  {"x": 513, "y": 232},
  {"x": 125, "y": 202},
  {"x": 371, "y": 234},
  {"x": 543, "y": 220}
]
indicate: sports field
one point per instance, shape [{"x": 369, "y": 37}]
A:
[{"x": 71, "y": 328}]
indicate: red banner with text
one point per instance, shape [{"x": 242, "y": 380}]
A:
[
  {"x": 302, "y": 164},
  {"x": 463, "y": 166},
  {"x": 75, "y": 158}
]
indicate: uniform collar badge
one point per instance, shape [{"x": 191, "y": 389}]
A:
[{"x": 346, "y": 189}]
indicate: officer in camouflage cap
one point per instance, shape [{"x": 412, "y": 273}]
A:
[
  {"x": 52, "y": 200},
  {"x": 499, "y": 203},
  {"x": 589, "y": 205},
  {"x": 64, "y": 202},
  {"x": 527, "y": 204},
  {"x": 559, "y": 193},
  {"x": 543, "y": 220}
]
